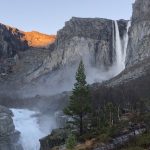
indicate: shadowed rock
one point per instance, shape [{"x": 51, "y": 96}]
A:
[{"x": 9, "y": 137}]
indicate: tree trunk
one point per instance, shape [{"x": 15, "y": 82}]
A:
[
  {"x": 110, "y": 119},
  {"x": 81, "y": 124},
  {"x": 119, "y": 113}
]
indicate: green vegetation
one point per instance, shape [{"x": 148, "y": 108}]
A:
[
  {"x": 71, "y": 142},
  {"x": 140, "y": 143},
  {"x": 105, "y": 113},
  {"x": 134, "y": 148},
  {"x": 79, "y": 105},
  {"x": 143, "y": 140}
]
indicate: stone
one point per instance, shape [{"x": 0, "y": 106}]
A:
[
  {"x": 56, "y": 138},
  {"x": 14, "y": 41},
  {"x": 9, "y": 137},
  {"x": 39, "y": 40},
  {"x": 88, "y": 38},
  {"x": 139, "y": 33},
  {"x": 11, "y": 41}
]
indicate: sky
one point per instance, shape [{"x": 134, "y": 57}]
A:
[{"x": 49, "y": 16}]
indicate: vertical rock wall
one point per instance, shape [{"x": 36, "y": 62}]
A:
[{"x": 139, "y": 33}]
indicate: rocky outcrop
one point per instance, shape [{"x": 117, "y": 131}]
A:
[
  {"x": 39, "y": 40},
  {"x": 119, "y": 141},
  {"x": 9, "y": 137},
  {"x": 139, "y": 34},
  {"x": 131, "y": 73},
  {"x": 56, "y": 138},
  {"x": 11, "y": 41},
  {"x": 14, "y": 41}
]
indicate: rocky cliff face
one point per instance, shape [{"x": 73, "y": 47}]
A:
[
  {"x": 91, "y": 39},
  {"x": 39, "y": 40},
  {"x": 139, "y": 35},
  {"x": 138, "y": 51},
  {"x": 11, "y": 41},
  {"x": 9, "y": 137},
  {"x": 14, "y": 41}
]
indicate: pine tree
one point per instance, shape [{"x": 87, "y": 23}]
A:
[{"x": 79, "y": 105}]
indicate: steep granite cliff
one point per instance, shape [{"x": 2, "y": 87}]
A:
[
  {"x": 91, "y": 39},
  {"x": 39, "y": 40},
  {"x": 139, "y": 35}
]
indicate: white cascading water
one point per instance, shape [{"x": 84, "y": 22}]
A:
[
  {"x": 126, "y": 39},
  {"x": 121, "y": 49},
  {"x": 26, "y": 122}
]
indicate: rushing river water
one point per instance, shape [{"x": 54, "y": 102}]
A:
[{"x": 27, "y": 123}]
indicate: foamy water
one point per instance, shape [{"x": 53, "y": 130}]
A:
[{"x": 27, "y": 123}]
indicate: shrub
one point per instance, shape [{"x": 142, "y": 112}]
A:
[
  {"x": 139, "y": 143},
  {"x": 71, "y": 142},
  {"x": 144, "y": 140},
  {"x": 134, "y": 148}
]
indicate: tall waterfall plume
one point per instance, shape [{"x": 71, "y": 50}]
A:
[
  {"x": 120, "y": 47},
  {"x": 126, "y": 39},
  {"x": 119, "y": 51}
]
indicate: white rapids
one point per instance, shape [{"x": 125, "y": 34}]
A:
[{"x": 26, "y": 122}]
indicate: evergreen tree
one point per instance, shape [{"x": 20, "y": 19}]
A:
[{"x": 79, "y": 105}]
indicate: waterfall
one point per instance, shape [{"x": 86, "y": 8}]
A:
[
  {"x": 121, "y": 49},
  {"x": 126, "y": 39}
]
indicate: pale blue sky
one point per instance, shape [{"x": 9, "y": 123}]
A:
[{"x": 48, "y": 16}]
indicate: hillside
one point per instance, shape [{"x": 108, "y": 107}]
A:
[{"x": 39, "y": 40}]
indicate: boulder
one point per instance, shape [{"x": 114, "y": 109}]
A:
[
  {"x": 56, "y": 138},
  {"x": 9, "y": 137}
]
